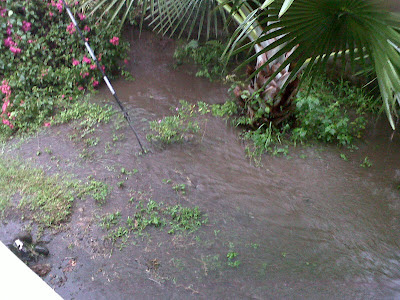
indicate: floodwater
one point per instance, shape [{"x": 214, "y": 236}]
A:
[{"x": 307, "y": 226}]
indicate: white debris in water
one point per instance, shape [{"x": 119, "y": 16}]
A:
[{"x": 19, "y": 244}]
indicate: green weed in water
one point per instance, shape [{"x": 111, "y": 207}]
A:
[
  {"x": 110, "y": 220},
  {"x": 98, "y": 190},
  {"x": 174, "y": 128},
  {"x": 206, "y": 57},
  {"x": 157, "y": 215},
  {"x": 366, "y": 163},
  {"x": 181, "y": 187},
  {"x": 232, "y": 259}
]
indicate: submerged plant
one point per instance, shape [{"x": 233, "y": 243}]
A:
[
  {"x": 176, "y": 127},
  {"x": 206, "y": 57}
]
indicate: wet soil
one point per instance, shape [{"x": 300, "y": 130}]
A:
[{"x": 306, "y": 226}]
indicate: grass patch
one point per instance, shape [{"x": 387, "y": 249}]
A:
[
  {"x": 153, "y": 214},
  {"x": 45, "y": 199},
  {"x": 86, "y": 117},
  {"x": 98, "y": 190}
]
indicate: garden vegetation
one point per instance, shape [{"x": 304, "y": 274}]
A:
[{"x": 43, "y": 65}]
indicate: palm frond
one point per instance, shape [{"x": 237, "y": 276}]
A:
[{"x": 315, "y": 31}]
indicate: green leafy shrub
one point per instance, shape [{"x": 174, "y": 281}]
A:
[
  {"x": 44, "y": 65},
  {"x": 332, "y": 113},
  {"x": 206, "y": 57},
  {"x": 327, "y": 122}
]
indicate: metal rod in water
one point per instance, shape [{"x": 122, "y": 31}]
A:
[{"x": 105, "y": 78}]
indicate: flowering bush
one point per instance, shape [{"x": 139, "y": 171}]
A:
[{"x": 44, "y": 64}]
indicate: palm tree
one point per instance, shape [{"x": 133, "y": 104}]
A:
[{"x": 290, "y": 38}]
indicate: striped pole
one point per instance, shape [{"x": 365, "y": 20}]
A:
[{"x": 105, "y": 78}]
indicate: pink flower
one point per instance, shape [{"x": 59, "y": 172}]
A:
[
  {"x": 95, "y": 83},
  {"x": 92, "y": 67},
  {"x": 71, "y": 28},
  {"x": 59, "y": 5},
  {"x": 15, "y": 50},
  {"x": 9, "y": 42},
  {"x": 103, "y": 68},
  {"x": 8, "y": 123},
  {"x": 80, "y": 88},
  {"x": 3, "y": 12},
  {"x": 62, "y": 96},
  {"x": 5, "y": 88},
  {"x": 46, "y": 124},
  {"x": 86, "y": 28},
  {"x": 5, "y": 105},
  {"x": 51, "y": 14},
  {"x": 84, "y": 74},
  {"x": 86, "y": 60},
  {"x": 30, "y": 41},
  {"x": 125, "y": 61},
  {"x": 81, "y": 16},
  {"x": 115, "y": 41},
  {"x": 75, "y": 62},
  {"x": 8, "y": 31},
  {"x": 26, "y": 26}
]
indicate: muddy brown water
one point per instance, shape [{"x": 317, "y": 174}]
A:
[{"x": 308, "y": 226}]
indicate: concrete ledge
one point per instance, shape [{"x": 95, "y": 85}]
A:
[{"x": 17, "y": 281}]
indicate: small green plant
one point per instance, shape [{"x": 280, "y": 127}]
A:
[
  {"x": 121, "y": 184},
  {"x": 87, "y": 154},
  {"x": 138, "y": 196},
  {"x": 181, "y": 187},
  {"x": 254, "y": 245},
  {"x": 98, "y": 190},
  {"x": 185, "y": 218},
  {"x": 120, "y": 232},
  {"x": 228, "y": 109},
  {"x": 366, "y": 163},
  {"x": 110, "y": 220},
  {"x": 174, "y": 128},
  {"x": 117, "y": 138},
  {"x": 232, "y": 259},
  {"x": 92, "y": 141},
  {"x": 264, "y": 140},
  {"x": 343, "y": 156}
]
